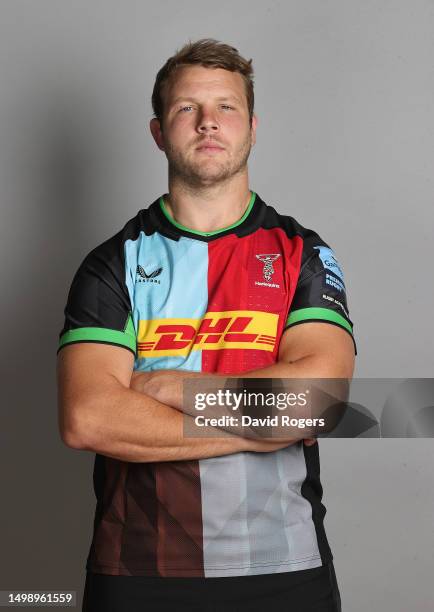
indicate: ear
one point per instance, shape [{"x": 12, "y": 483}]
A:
[
  {"x": 253, "y": 128},
  {"x": 157, "y": 134}
]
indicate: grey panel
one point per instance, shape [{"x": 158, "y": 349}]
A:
[{"x": 255, "y": 519}]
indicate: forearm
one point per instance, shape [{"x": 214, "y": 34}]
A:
[
  {"x": 310, "y": 366},
  {"x": 129, "y": 426},
  {"x": 303, "y": 368},
  {"x": 168, "y": 386}
]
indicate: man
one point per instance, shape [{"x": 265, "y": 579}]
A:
[{"x": 206, "y": 281}]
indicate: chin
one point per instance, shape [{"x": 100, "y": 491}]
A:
[
  {"x": 210, "y": 174},
  {"x": 209, "y": 178}
]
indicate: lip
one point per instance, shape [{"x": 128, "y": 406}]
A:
[{"x": 209, "y": 147}]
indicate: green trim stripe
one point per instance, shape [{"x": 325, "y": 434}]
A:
[
  {"x": 305, "y": 314},
  {"x": 192, "y": 231},
  {"x": 101, "y": 334}
]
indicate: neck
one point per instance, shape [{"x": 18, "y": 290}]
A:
[{"x": 208, "y": 208}]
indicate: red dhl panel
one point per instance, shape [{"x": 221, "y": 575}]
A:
[{"x": 246, "y": 329}]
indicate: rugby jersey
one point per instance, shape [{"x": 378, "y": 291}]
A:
[{"x": 207, "y": 302}]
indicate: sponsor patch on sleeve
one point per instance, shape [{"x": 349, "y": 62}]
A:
[{"x": 331, "y": 264}]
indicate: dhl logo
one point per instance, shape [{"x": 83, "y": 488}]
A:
[{"x": 246, "y": 329}]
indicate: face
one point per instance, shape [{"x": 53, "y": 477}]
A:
[{"x": 206, "y": 134}]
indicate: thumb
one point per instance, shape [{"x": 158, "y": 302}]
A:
[{"x": 309, "y": 441}]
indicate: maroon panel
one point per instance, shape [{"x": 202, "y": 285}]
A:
[
  {"x": 106, "y": 546},
  {"x": 139, "y": 541},
  {"x": 180, "y": 541}
]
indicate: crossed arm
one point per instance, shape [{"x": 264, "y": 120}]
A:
[{"x": 105, "y": 408}]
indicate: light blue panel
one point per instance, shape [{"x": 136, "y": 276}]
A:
[{"x": 172, "y": 283}]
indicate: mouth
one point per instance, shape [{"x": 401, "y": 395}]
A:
[{"x": 209, "y": 148}]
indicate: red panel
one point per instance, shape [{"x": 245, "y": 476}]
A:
[{"x": 233, "y": 274}]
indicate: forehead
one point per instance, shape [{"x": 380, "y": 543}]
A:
[{"x": 200, "y": 81}]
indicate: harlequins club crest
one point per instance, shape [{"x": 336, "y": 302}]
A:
[
  {"x": 148, "y": 278},
  {"x": 268, "y": 260}
]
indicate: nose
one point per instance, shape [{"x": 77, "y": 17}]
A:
[{"x": 207, "y": 122}]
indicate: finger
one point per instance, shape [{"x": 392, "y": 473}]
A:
[{"x": 309, "y": 441}]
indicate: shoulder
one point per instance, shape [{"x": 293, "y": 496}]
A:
[
  {"x": 111, "y": 252},
  {"x": 316, "y": 255},
  {"x": 113, "y": 246},
  {"x": 292, "y": 228}
]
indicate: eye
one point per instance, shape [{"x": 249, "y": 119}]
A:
[
  {"x": 184, "y": 108},
  {"x": 227, "y": 106}
]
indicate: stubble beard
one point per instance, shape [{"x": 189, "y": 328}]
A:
[{"x": 209, "y": 171}]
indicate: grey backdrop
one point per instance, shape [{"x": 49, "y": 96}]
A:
[{"x": 344, "y": 93}]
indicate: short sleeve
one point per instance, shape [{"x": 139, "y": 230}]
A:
[
  {"x": 98, "y": 307},
  {"x": 320, "y": 294}
]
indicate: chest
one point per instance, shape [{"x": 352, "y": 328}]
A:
[{"x": 190, "y": 295}]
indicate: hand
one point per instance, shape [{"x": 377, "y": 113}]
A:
[
  {"x": 287, "y": 441},
  {"x": 310, "y": 441},
  {"x": 267, "y": 445},
  {"x": 139, "y": 379}
]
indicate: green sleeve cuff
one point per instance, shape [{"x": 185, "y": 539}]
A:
[
  {"x": 320, "y": 314},
  {"x": 324, "y": 314},
  {"x": 126, "y": 338}
]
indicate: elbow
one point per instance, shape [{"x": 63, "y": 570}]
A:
[
  {"x": 74, "y": 432},
  {"x": 71, "y": 439}
]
